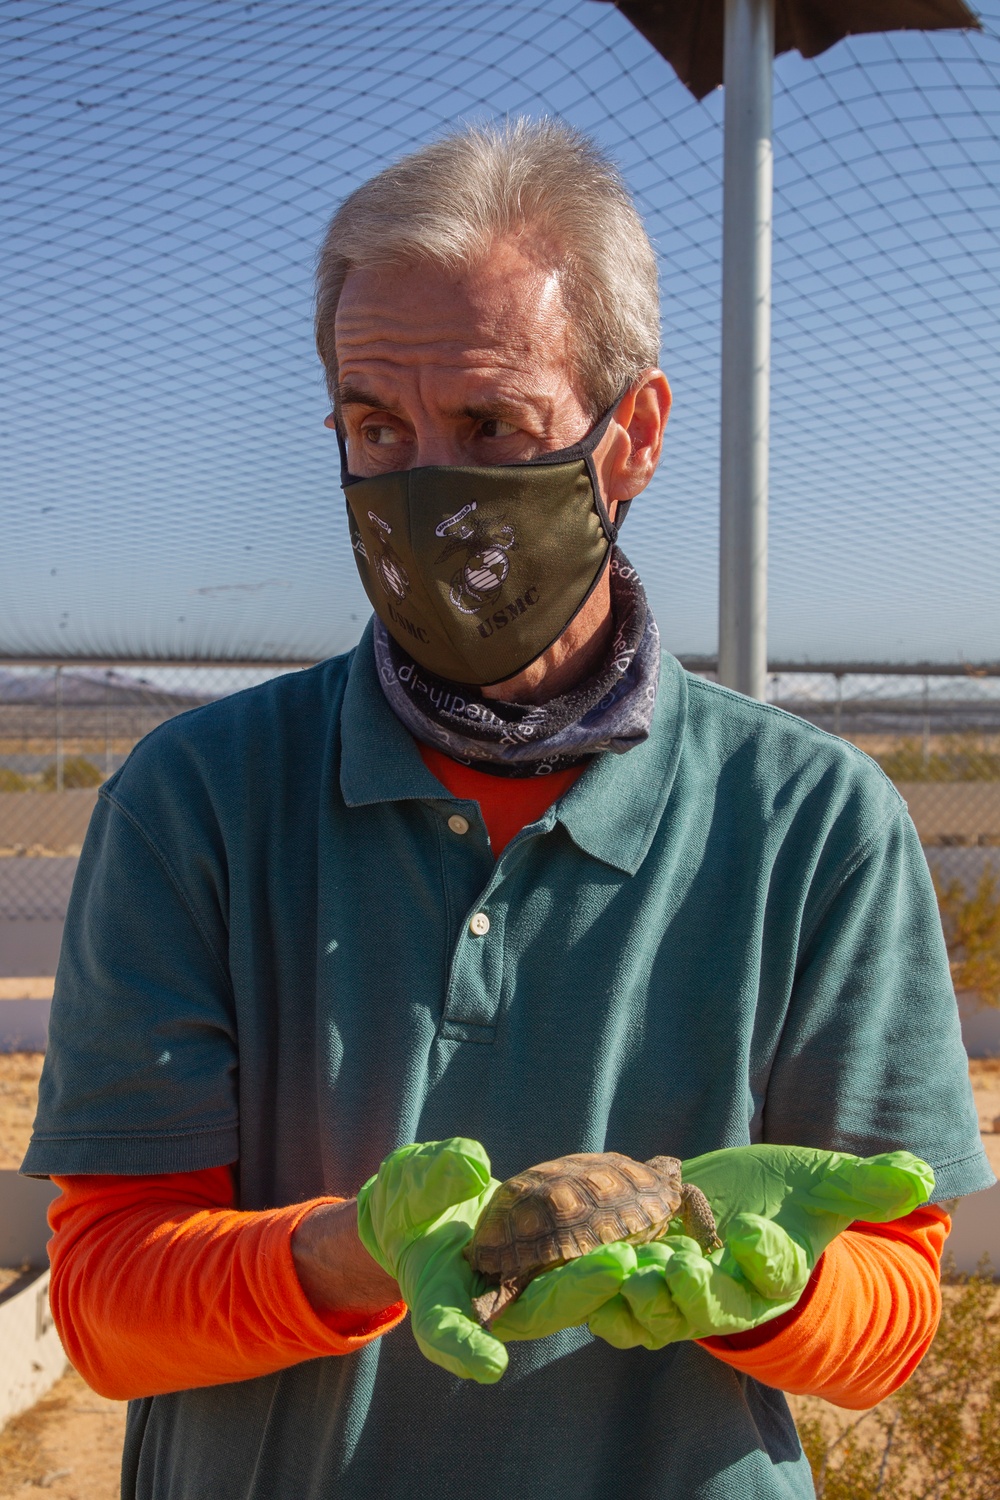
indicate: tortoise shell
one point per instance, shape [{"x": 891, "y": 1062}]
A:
[{"x": 560, "y": 1209}]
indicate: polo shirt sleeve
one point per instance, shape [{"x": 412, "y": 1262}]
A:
[
  {"x": 871, "y": 1057},
  {"x": 140, "y": 1071}
]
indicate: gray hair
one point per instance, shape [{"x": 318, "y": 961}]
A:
[{"x": 449, "y": 202}]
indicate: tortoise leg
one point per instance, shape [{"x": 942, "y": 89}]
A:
[
  {"x": 697, "y": 1217},
  {"x": 493, "y": 1301}
]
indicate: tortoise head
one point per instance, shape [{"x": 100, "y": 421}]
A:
[{"x": 668, "y": 1168}]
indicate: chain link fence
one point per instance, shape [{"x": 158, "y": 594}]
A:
[
  {"x": 168, "y": 167},
  {"x": 64, "y": 730}
]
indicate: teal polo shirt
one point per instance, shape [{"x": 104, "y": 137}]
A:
[{"x": 726, "y": 935}]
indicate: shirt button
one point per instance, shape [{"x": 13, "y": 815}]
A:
[
  {"x": 458, "y": 824},
  {"x": 480, "y": 924}
]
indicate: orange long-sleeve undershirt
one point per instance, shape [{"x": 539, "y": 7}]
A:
[
  {"x": 160, "y": 1284},
  {"x": 864, "y": 1322}
]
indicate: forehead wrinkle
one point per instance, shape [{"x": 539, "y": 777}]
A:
[
  {"x": 497, "y": 334},
  {"x": 481, "y": 379},
  {"x": 366, "y": 345}
]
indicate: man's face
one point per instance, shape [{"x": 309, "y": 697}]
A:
[{"x": 467, "y": 367}]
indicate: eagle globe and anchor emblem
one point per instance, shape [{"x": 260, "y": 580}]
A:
[
  {"x": 387, "y": 562},
  {"x": 481, "y": 573},
  {"x": 485, "y": 564}
]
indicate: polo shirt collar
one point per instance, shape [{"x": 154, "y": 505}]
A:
[
  {"x": 615, "y": 808},
  {"x": 611, "y": 813},
  {"x": 380, "y": 760}
]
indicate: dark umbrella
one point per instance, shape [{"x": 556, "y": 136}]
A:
[
  {"x": 690, "y": 35},
  {"x": 734, "y": 42}
]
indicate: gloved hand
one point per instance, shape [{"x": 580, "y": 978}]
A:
[
  {"x": 777, "y": 1208},
  {"x": 414, "y": 1217},
  {"x": 569, "y": 1295}
]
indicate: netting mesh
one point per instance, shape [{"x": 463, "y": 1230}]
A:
[
  {"x": 64, "y": 730},
  {"x": 169, "y": 168}
]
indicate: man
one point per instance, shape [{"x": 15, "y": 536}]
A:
[{"x": 502, "y": 876}]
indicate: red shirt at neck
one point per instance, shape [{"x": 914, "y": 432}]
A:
[{"x": 507, "y": 803}]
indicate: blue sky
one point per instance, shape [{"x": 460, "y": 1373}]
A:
[{"x": 169, "y": 167}]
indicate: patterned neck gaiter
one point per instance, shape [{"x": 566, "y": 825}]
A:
[{"x": 610, "y": 711}]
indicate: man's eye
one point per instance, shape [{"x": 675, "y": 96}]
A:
[
  {"x": 380, "y": 435},
  {"x": 494, "y": 428}
]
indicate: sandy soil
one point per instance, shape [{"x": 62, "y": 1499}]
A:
[
  {"x": 71, "y": 1441},
  {"x": 27, "y": 989},
  {"x": 18, "y": 1095}
]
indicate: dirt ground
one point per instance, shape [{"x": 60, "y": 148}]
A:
[
  {"x": 71, "y": 1441},
  {"x": 18, "y": 1094}
]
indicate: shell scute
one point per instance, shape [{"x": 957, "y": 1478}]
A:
[
  {"x": 634, "y": 1220},
  {"x": 607, "y": 1224},
  {"x": 603, "y": 1182},
  {"x": 638, "y": 1174},
  {"x": 566, "y": 1201}
]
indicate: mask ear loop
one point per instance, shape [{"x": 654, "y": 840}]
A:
[
  {"x": 346, "y": 477},
  {"x": 584, "y": 450}
]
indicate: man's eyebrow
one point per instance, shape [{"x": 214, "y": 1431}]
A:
[
  {"x": 356, "y": 395},
  {"x": 481, "y": 411},
  {"x": 491, "y": 411}
]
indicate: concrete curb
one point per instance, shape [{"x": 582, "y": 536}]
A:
[
  {"x": 32, "y": 1356},
  {"x": 24, "y": 1025},
  {"x": 975, "y": 1230},
  {"x": 980, "y": 1027}
]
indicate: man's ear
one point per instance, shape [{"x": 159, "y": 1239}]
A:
[{"x": 635, "y": 438}]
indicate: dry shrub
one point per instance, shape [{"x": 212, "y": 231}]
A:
[
  {"x": 938, "y": 1438},
  {"x": 77, "y": 772},
  {"x": 972, "y": 933},
  {"x": 963, "y": 757}
]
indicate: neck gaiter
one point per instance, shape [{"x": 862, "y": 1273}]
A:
[{"x": 611, "y": 711}]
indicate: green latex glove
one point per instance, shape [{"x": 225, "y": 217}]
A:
[
  {"x": 568, "y": 1296},
  {"x": 415, "y": 1216},
  {"x": 777, "y": 1208}
]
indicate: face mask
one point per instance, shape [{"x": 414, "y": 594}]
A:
[{"x": 476, "y": 571}]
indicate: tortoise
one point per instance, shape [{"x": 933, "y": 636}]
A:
[{"x": 560, "y": 1209}]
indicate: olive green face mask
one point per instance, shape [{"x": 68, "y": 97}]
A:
[{"x": 476, "y": 571}]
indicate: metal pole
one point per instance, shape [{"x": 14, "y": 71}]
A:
[
  {"x": 59, "y": 731},
  {"x": 746, "y": 344},
  {"x": 107, "y": 722}
]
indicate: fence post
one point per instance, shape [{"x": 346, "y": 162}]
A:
[
  {"x": 59, "y": 730},
  {"x": 748, "y": 177},
  {"x": 107, "y": 723}
]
